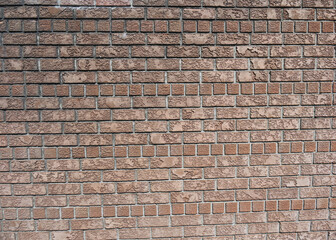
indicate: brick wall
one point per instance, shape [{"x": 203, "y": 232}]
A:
[{"x": 200, "y": 119}]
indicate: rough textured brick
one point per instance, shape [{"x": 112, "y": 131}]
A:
[{"x": 167, "y": 119}]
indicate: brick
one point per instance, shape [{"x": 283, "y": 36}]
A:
[
  {"x": 326, "y": 39},
  {"x": 323, "y": 75},
  {"x": 93, "y": 13},
  {"x": 44, "y": 128},
  {"x": 64, "y": 189},
  {"x": 125, "y": 139},
  {"x": 284, "y": 170},
  {"x": 128, "y": 13},
  {"x": 312, "y": 235},
  {"x": 93, "y": 64},
  {"x": 163, "y": 38},
  {"x": 299, "y": 63},
  {"x": 17, "y": 201},
  {"x": 48, "y": 177},
  {"x": 261, "y": 63},
  {"x": 251, "y": 217},
  {"x": 265, "y": 182},
  {"x": 184, "y": 102},
  {"x": 18, "y": 226},
  {"x": 132, "y": 187},
  {"x": 231, "y": 229},
  {"x": 260, "y": 38},
  {"x": 93, "y": 234},
  {"x": 149, "y": 102},
  {"x": 12, "y": 128},
  {"x": 77, "y": 103},
  {"x": 52, "y": 225},
  {"x": 186, "y": 173},
  {"x": 297, "y": 159},
  {"x": 218, "y": 125},
  {"x": 232, "y": 137},
  {"x": 178, "y": 76},
  {"x": 163, "y": 13},
  {"x": 286, "y": 51},
  {"x": 220, "y": 77},
  {"x": 32, "y": 235},
  {"x": 152, "y": 198},
  {"x": 296, "y": 181},
  {"x": 162, "y": 64},
  {"x": 113, "y": 77},
  {"x": 63, "y": 165},
  {"x": 56, "y": 38},
  {"x": 57, "y": 64},
  {"x": 298, "y": 135},
  {"x": 282, "y": 193},
  {"x": 251, "y": 124},
  {"x": 218, "y": 196},
  {"x": 232, "y": 39},
  {"x": 42, "y": 77},
  {"x": 284, "y": 124},
  {"x": 304, "y": 14},
  {"x": 220, "y": 101},
  {"x": 251, "y": 100},
  {"x": 11, "y": 103},
  {"x": 326, "y": 63},
  {"x": 121, "y": 223},
  {"x": 125, "y": 64},
  {"x": 284, "y": 76},
  {"x": 199, "y": 231},
  {"x": 199, "y": 185},
  {"x": 229, "y": 64},
  {"x": 323, "y": 225},
  {"x": 318, "y": 51},
  {"x": 48, "y": 201},
  {"x": 162, "y": 232},
  {"x": 40, "y": 51},
  {"x": 182, "y": 126},
  {"x": 182, "y": 197},
  {"x": 280, "y": 100},
  {"x": 232, "y": 161},
  {"x": 294, "y": 227},
  {"x": 19, "y": 38},
  {"x": 57, "y": 115},
  {"x": 128, "y": 39},
  {"x": 232, "y": 183},
  {"x": 185, "y": 51},
  {"x": 166, "y": 186},
  {"x": 52, "y": 12},
  {"x": 264, "y": 13},
  {"x": 146, "y": 77},
  {"x": 199, "y": 161},
  {"x": 263, "y": 228},
  {"x": 165, "y": 138},
  {"x": 197, "y": 64}
]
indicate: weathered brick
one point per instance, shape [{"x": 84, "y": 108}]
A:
[
  {"x": 19, "y": 38},
  {"x": 128, "y": 39},
  {"x": 232, "y": 39},
  {"x": 296, "y": 14},
  {"x": 294, "y": 226},
  {"x": 272, "y": 38},
  {"x": 163, "y": 13},
  {"x": 251, "y": 101},
  {"x": 151, "y": 118}
]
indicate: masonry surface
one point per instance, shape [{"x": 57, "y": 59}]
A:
[{"x": 186, "y": 119}]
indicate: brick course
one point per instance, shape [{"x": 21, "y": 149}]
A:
[{"x": 193, "y": 119}]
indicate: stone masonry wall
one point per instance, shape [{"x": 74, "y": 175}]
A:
[{"x": 157, "y": 119}]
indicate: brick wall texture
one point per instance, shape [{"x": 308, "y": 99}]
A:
[{"x": 158, "y": 119}]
